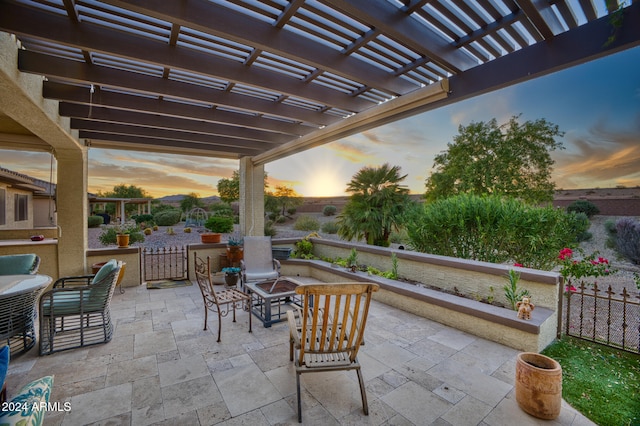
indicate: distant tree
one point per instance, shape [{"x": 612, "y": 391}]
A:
[
  {"x": 229, "y": 189},
  {"x": 190, "y": 201},
  {"x": 377, "y": 205},
  {"x": 286, "y": 197},
  {"x": 486, "y": 158},
  {"x": 123, "y": 191}
]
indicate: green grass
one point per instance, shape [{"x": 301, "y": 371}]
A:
[{"x": 601, "y": 382}]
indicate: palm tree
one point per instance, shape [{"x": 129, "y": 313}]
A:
[{"x": 377, "y": 205}]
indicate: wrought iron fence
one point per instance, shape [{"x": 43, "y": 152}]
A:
[
  {"x": 604, "y": 317},
  {"x": 164, "y": 263}
]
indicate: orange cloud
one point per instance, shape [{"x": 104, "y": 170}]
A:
[{"x": 603, "y": 158}]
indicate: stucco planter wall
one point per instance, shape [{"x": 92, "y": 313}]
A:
[{"x": 494, "y": 323}]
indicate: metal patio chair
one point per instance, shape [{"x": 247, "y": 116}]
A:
[{"x": 220, "y": 302}]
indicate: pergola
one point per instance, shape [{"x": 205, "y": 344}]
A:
[{"x": 259, "y": 80}]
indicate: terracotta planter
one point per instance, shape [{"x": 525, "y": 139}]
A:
[
  {"x": 538, "y": 385},
  {"x": 123, "y": 240},
  {"x": 235, "y": 254},
  {"x": 210, "y": 237}
]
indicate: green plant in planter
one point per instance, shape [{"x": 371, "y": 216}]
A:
[
  {"x": 235, "y": 241},
  {"x": 511, "y": 290},
  {"x": 219, "y": 224},
  {"x": 352, "y": 260},
  {"x": 109, "y": 235}
]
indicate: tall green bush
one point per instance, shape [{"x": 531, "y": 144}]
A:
[
  {"x": 492, "y": 229},
  {"x": 95, "y": 221},
  {"x": 167, "y": 217},
  {"x": 329, "y": 210},
  {"x": 583, "y": 206}
]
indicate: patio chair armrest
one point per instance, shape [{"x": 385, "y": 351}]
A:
[
  {"x": 276, "y": 265},
  {"x": 76, "y": 288},
  {"x": 73, "y": 281},
  {"x": 294, "y": 318}
]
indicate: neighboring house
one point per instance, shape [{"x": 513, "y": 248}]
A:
[{"x": 25, "y": 202}]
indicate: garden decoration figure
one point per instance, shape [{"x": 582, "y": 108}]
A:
[{"x": 525, "y": 307}]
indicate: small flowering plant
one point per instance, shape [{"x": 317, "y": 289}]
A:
[
  {"x": 231, "y": 270},
  {"x": 576, "y": 270}
]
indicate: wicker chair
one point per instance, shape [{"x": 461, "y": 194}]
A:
[
  {"x": 220, "y": 302},
  {"x": 18, "y": 264},
  {"x": 75, "y": 312},
  {"x": 327, "y": 332},
  {"x": 258, "y": 263}
]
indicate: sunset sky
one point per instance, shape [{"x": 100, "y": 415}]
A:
[{"x": 597, "y": 105}]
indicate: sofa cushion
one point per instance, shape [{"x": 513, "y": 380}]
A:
[
  {"x": 15, "y": 264},
  {"x": 29, "y": 406},
  {"x": 108, "y": 268}
]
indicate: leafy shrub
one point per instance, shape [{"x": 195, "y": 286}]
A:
[
  {"x": 281, "y": 219},
  {"x": 269, "y": 229},
  {"x": 155, "y": 227},
  {"x": 303, "y": 249},
  {"x": 492, "y": 229},
  {"x": 221, "y": 209},
  {"x": 306, "y": 223},
  {"x": 148, "y": 231},
  {"x": 583, "y": 206},
  {"x": 187, "y": 230},
  {"x": 329, "y": 210},
  {"x": 627, "y": 238},
  {"x": 167, "y": 217},
  {"x": 95, "y": 221},
  {"x": 292, "y": 210},
  {"x": 272, "y": 216},
  {"x": 329, "y": 227},
  {"x": 579, "y": 224},
  {"x": 221, "y": 224},
  {"x": 146, "y": 218},
  {"x": 108, "y": 236}
]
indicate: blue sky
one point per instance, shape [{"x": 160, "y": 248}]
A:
[{"x": 596, "y": 104}]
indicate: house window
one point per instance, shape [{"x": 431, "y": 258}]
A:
[
  {"x": 3, "y": 206},
  {"x": 21, "y": 207}
]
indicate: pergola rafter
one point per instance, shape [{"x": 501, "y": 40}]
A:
[{"x": 269, "y": 78}]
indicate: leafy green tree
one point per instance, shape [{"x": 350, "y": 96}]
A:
[
  {"x": 123, "y": 191},
  {"x": 486, "y": 158},
  {"x": 286, "y": 197},
  {"x": 377, "y": 205},
  {"x": 229, "y": 189},
  {"x": 190, "y": 201}
]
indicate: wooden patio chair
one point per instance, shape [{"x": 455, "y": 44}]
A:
[
  {"x": 327, "y": 332},
  {"x": 221, "y": 302},
  {"x": 75, "y": 312},
  {"x": 258, "y": 263}
]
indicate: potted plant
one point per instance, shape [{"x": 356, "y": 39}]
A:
[
  {"x": 122, "y": 236},
  {"x": 235, "y": 249},
  {"x": 231, "y": 275},
  {"x": 217, "y": 225}
]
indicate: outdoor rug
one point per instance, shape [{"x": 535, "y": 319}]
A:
[{"x": 168, "y": 284}]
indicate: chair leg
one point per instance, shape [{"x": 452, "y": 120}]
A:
[
  {"x": 206, "y": 311},
  {"x": 363, "y": 393},
  {"x": 290, "y": 347},
  {"x": 299, "y": 402},
  {"x": 250, "y": 319},
  {"x": 219, "y": 325}
]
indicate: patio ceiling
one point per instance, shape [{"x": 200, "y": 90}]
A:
[{"x": 268, "y": 78}]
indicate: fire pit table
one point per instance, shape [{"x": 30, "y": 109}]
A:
[{"x": 268, "y": 301}]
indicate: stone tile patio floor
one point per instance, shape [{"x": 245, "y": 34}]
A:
[{"x": 161, "y": 368}]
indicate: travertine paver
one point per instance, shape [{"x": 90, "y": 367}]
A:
[{"x": 162, "y": 368}]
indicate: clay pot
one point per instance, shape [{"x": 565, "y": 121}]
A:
[
  {"x": 538, "y": 385},
  {"x": 123, "y": 240},
  {"x": 235, "y": 254},
  {"x": 210, "y": 238}
]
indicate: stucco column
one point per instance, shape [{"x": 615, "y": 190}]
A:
[
  {"x": 72, "y": 205},
  {"x": 251, "y": 198}
]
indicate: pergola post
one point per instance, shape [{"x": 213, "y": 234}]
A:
[
  {"x": 251, "y": 198},
  {"x": 72, "y": 205}
]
